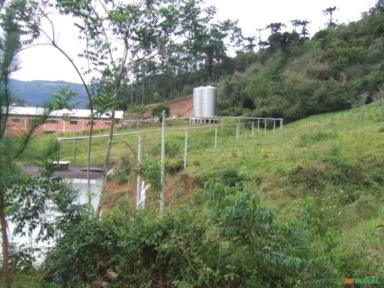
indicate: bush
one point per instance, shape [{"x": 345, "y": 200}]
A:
[
  {"x": 151, "y": 173},
  {"x": 158, "y": 111},
  {"x": 228, "y": 240},
  {"x": 82, "y": 256}
]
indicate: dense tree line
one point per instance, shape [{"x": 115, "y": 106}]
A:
[
  {"x": 289, "y": 74},
  {"x": 340, "y": 67}
]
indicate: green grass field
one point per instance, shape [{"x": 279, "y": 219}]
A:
[
  {"x": 329, "y": 144},
  {"x": 332, "y": 164}
]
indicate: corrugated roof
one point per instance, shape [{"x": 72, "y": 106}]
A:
[
  {"x": 32, "y": 111},
  {"x": 75, "y": 113}
]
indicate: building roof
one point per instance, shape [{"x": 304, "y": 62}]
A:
[
  {"x": 74, "y": 113},
  {"x": 30, "y": 111}
]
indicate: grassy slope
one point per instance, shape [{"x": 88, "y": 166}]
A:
[{"x": 332, "y": 162}]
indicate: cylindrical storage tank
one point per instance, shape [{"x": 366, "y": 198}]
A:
[
  {"x": 208, "y": 101},
  {"x": 197, "y": 102}
]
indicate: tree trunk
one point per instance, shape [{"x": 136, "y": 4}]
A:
[
  {"x": 90, "y": 103},
  {"x": 5, "y": 243},
  {"x": 106, "y": 161},
  {"x": 89, "y": 154},
  {"x": 110, "y": 139}
]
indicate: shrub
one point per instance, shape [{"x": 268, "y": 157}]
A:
[
  {"x": 229, "y": 239},
  {"x": 158, "y": 111},
  {"x": 81, "y": 256}
]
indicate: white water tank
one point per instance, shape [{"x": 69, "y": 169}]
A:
[
  {"x": 204, "y": 102},
  {"x": 197, "y": 102},
  {"x": 208, "y": 101}
]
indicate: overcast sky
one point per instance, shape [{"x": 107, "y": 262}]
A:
[{"x": 44, "y": 63}]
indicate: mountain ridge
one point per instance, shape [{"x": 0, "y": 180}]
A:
[{"x": 39, "y": 92}]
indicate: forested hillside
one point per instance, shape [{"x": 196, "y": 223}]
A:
[
  {"x": 291, "y": 75},
  {"x": 294, "y": 77}
]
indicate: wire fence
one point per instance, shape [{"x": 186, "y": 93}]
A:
[
  {"x": 132, "y": 148},
  {"x": 207, "y": 135}
]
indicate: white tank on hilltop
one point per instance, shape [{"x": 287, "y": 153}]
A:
[
  {"x": 208, "y": 101},
  {"x": 197, "y": 102},
  {"x": 204, "y": 102}
]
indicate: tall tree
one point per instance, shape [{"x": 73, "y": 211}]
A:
[
  {"x": 214, "y": 42},
  {"x": 275, "y": 27},
  {"x": 303, "y": 30},
  {"x": 18, "y": 27},
  {"x": 120, "y": 36},
  {"x": 44, "y": 10},
  {"x": 262, "y": 44},
  {"x": 13, "y": 26},
  {"x": 250, "y": 44},
  {"x": 330, "y": 11},
  {"x": 275, "y": 39}
]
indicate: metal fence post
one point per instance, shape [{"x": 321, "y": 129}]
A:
[
  {"x": 253, "y": 128},
  {"x": 162, "y": 163},
  {"x": 215, "y": 137},
  {"x": 265, "y": 125},
  {"x": 185, "y": 147},
  {"x": 138, "y": 178}
]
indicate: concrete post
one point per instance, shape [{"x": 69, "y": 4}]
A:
[
  {"x": 185, "y": 148},
  {"x": 162, "y": 164}
]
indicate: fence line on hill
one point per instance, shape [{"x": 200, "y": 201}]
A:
[
  {"x": 261, "y": 122},
  {"x": 254, "y": 126}
]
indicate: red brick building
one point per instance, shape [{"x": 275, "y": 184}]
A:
[{"x": 20, "y": 120}]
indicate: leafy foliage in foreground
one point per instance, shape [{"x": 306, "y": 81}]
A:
[
  {"x": 324, "y": 175},
  {"x": 43, "y": 204},
  {"x": 228, "y": 239}
]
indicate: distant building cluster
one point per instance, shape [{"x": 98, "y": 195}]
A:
[{"x": 21, "y": 118}]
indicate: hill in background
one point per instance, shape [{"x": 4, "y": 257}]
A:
[{"x": 38, "y": 92}]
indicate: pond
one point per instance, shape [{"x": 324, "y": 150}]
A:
[{"x": 29, "y": 242}]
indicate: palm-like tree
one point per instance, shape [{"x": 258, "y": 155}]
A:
[
  {"x": 275, "y": 27},
  {"x": 330, "y": 11},
  {"x": 250, "y": 45},
  {"x": 303, "y": 24}
]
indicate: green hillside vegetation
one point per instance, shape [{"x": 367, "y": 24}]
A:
[
  {"x": 339, "y": 68},
  {"x": 290, "y": 75},
  {"x": 296, "y": 207}
]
